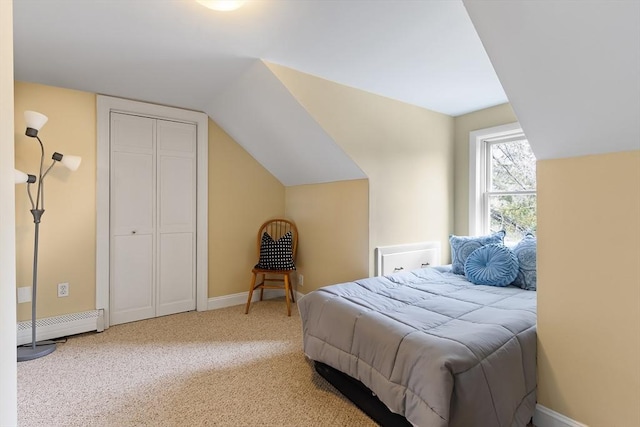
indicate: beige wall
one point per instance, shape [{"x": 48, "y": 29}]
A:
[
  {"x": 333, "y": 225},
  {"x": 68, "y": 227},
  {"x": 8, "y": 369},
  {"x": 589, "y": 288},
  {"x": 409, "y": 192},
  {"x": 242, "y": 195},
  {"x": 405, "y": 151},
  {"x": 489, "y": 117}
]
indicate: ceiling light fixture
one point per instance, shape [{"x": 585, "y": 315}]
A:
[{"x": 222, "y": 5}]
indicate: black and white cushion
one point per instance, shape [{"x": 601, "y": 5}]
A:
[{"x": 276, "y": 254}]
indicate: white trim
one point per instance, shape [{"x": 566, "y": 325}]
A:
[
  {"x": 106, "y": 104},
  {"x": 8, "y": 357},
  {"x": 241, "y": 298},
  {"x": 429, "y": 252},
  {"x": 545, "y": 417},
  {"x": 476, "y": 169}
]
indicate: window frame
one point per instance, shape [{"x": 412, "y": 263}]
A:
[{"x": 479, "y": 179}]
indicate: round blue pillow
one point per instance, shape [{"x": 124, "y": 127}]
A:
[{"x": 492, "y": 265}]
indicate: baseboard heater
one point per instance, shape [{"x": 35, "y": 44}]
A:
[{"x": 61, "y": 326}]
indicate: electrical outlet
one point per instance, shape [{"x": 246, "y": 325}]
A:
[
  {"x": 300, "y": 280},
  {"x": 24, "y": 294},
  {"x": 63, "y": 290}
]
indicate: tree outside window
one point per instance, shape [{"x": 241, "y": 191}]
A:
[{"x": 510, "y": 196}]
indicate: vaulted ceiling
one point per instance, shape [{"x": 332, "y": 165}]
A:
[
  {"x": 425, "y": 53},
  {"x": 570, "y": 68}
]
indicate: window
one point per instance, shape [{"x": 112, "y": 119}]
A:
[{"x": 502, "y": 178}]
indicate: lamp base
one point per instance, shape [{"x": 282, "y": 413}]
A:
[{"x": 27, "y": 352}]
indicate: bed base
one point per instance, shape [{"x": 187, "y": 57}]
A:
[{"x": 361, "y": 396}]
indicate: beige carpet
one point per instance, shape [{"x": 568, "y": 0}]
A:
[{"x": 220, "y": 367}]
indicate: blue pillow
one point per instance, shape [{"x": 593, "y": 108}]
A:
[
  {"x": 525, "y": 250},
  {"x": 462, "y": 246},
  {"x": 492, "y": 265}
]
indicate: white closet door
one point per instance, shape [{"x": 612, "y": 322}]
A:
[
  {"x": 153, "y": 218},
  {"x": 176, "y": 157},
  {"x": 133, "y": 234}
]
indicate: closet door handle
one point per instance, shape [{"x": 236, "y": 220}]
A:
[{"x": 133, "y": 232}]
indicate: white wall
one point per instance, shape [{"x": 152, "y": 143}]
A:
[{"x": 8, "y": 382}]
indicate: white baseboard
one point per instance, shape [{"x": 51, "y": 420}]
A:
[
  {"x": 545, "y": 417},
  {"x": 61, "y": 326},
  {"x": 241, "y": 298},
  {"x": 77, "y": 323}
]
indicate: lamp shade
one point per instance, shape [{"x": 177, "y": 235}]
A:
[
  {"x": 20, "y": 177},
  {"x": 35, "y": 121},
  {"x": 71, "y": 162}
]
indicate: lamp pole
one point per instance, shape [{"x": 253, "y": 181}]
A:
[
  {"x": 36, "y": 349},
  {"x": 34, "y": 122}
]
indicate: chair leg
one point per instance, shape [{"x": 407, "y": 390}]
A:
[
  {"x": 293, "y": 299},
  {"x": 287, "y": 290},
  {"x": 253, "y": 283},
  {"x": 264, "y": 278}
]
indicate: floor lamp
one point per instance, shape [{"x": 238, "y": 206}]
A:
[{"x": 35, "y": 121}]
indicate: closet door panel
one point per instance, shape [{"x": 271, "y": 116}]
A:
[
  {"x": 176, "y": 180},
  {"x": 177, "y": 137},
  {"x": 132, "y": 241},
  {"x": 133, "y": 201},
  {"x": 132, "y": 132},
  {"x": 132, "y": 292},
  {"x": 176, "y": 292},
  {"x": 132, "y": 219},
  {"x": 176, "y": 195}
]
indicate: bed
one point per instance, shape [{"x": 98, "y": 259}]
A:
[{"x": 434, "y": 348}]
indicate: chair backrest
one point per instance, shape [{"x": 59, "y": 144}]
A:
[{"x": 277, "y": 228}]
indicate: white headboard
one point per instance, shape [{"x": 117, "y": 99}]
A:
[{"x": 391, "y": 259}]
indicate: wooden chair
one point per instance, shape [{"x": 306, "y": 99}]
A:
[{"x": 276, "y": 228}]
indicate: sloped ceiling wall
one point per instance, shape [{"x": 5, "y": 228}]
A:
[
  {"x": 177, "y": 53},
  {"x": 571, "y": 71},
  {"x": 260, "y": 113}
]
